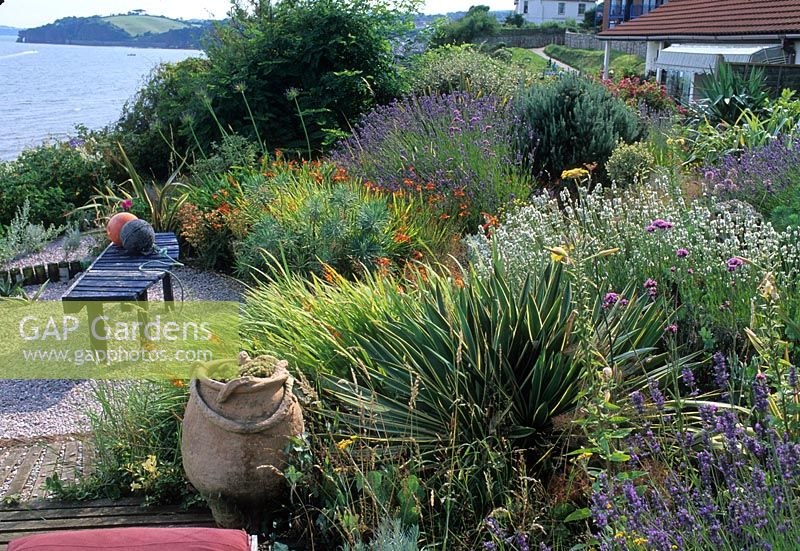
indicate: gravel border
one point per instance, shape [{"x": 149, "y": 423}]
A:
[
  {"x": 44, "y": 408},
  {"x": 52, "y": 253}
]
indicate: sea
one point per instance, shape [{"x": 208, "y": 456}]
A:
[{"x": 47, "y": 89}]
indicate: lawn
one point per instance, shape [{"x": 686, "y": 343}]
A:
[
  {"x": 591, "y": 61},
  {"x": 528, "y": 59},
  {"x": 137, "y": 25}
]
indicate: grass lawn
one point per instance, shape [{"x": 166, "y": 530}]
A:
[
  {"x": 528, "y": 59},
  {"x": 591, "y": 61},
  {"x": 136, "y": 25}
]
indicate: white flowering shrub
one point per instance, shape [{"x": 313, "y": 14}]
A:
[{"x": 710, "y": 259}]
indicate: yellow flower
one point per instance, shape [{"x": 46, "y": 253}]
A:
[
  {"x": 619, "y": 535},
  {"x": 557, "y": 254},
  {"x": 346, "y": 443},
  {"x": 574, "y": 173},
  {"x": 150, "y": 465},
  {"x": 135, "y": 486},
  {"x": 640, "y": 541}
]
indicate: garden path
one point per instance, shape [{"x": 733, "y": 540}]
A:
[
  {"x": 25, "y": 465},
  {"x": 559, "y": 64}
]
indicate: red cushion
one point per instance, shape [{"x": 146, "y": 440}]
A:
[{"x": 136, "y": 539}]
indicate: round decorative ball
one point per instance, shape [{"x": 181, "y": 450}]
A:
[
  {"x": 138, "y": 237},
  {"x": 114, "y": 226}
]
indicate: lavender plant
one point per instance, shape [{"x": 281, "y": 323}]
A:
[
  {"x": 767, "y": 176},
  {"x": 455, "y": 150},
  {"x": 731, "y": 486}
]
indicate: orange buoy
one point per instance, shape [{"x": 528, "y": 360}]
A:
[{"x": 114, "y": 226}]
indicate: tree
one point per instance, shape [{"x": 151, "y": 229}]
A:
[
  {"x": 514, "y": 20},
  {"x": 477, "y": 23}
]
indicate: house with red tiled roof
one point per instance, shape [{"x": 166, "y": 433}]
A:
[{"x": 688, "y": 39}]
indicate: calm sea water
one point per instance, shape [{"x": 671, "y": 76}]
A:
[{"x": 45, "y": 90}]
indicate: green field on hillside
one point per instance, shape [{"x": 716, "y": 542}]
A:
[
  {"x": 591, "y": 61},
  {"x": 136, "y": 25}
]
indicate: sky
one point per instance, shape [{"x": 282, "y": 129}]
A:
[{"x": 33, "y": 13}]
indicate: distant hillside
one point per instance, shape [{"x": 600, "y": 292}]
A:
[
  {"x": 134, "y": 30},
  {"x": 137, "y": 25},
  {"x": 5, "y": 31}
]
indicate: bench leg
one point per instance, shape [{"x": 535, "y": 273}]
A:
[
  {"x": 94, "y": 310},
  {"x": 169, "y": 297},
  {"x": 143, "y": 316}
]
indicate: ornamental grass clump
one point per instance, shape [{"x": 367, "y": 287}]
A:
[{"x": 454, "y": 152}]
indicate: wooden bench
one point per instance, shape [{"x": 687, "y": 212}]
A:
[{"x": 117, "y": 276}]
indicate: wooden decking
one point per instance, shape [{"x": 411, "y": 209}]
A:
[
  {"x": 25, "y": 508},
  {"x": 24, "y": 466}
]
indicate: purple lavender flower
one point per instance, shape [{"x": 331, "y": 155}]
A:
[
  {"x": 652, "y": 287},
  {"x": 682, "y": 253},
  {"x": 671, "y": 329},
  {"x": 760, "y": 393},
  {"x": 720, "y": 370},
  {"x": 734, "y": 263},
  {"x": 638, "y": 401},
  {"x": 687, "y": 376},
  {"x": 656, "y": 395}
]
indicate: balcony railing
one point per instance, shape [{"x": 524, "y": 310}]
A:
[{"x": 621, "y": 12}]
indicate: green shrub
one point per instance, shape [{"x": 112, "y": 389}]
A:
[
  {"x": 477, "y": 23},
  {"x": 53, "y": 178},
  {"x": 630, "y": 164},
  {"x": 576, "y": 122},
  {"x": 449, "y": 69},
  {"x": 161, "y": 117}
]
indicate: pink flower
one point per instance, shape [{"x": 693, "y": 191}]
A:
[{"x": 126, "y": 204}]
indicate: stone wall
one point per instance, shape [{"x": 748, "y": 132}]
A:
[
  {"x": 525, "y": 38},
  {"x": 591, "y": 42}
]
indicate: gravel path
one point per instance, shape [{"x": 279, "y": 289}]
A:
[{"x": 32, "y": 409}]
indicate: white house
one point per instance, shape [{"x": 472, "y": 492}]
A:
[
  {"x": 541, "y": 11},
  {"x": 688, "y": 39}
]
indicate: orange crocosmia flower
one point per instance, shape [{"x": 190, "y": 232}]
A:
[
  {"x": 408, "y": 182},
  {"x": 459, "y": 193},
  {"x": 444, "y": 216},
  {"x": 383, "y": 261},
  {"x": 340, "y": 176},
  {"x": 417, "y": 255},
  {"x": 178, "y": 383},
  {"x": 430, "y": 186},
  {"x": 400, "y": 237},
  {"x": 278, "y": 154}
]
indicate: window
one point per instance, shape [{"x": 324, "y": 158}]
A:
[
  {"x": 562, "y": 6},
  {"x": 525, "y": 7},
  {"x": 581, "y": 9}
]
